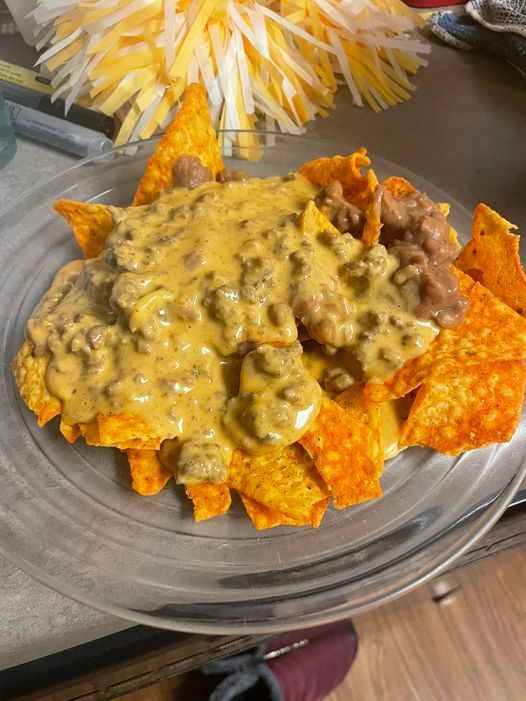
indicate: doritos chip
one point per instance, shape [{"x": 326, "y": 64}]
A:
[
  {"x": 91, "y": 224},
  {"x": 190, "y": 134},
  {"x": 119, "y": 429},
  {"x": 263, "y": 517},
  {"x": 346, "y": 446},
  {"x": 373, "y": 211},
  {"x": 148, "y": 474},
  {"x": 313, "y": 222},
  {"x": 285, "y": 481},
  {"x": 492, "y": 258},
  {"x": 318, "y": 511},
  {"x": 70, "y": 431},
  {"x": 209, "y": 500},
  {"x": 460, "y": 407},
  {"x": 30, "y": 371},
  {"x": 491, "y": 331},
  {"x": 90, "y": 433},
  {"x": 109, "y": 439},
  {"x": 346, "y": 169},
  {"x": 399, "y": 187},
  {"x": 408, "y": 378}
]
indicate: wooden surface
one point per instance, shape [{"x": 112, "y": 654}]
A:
[
  {"x": 461, "y": 638},
  {"x": 470, "y": 645}
]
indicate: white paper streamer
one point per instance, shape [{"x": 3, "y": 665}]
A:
[{"x": 254, "y": 57}]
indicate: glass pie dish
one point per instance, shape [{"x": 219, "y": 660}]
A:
[{"x": 71, "y": 520}]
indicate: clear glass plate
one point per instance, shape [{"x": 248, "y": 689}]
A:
[{"x": 69, "y": 517}]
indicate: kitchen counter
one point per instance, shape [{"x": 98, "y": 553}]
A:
[{"x": 463, "y": 130}]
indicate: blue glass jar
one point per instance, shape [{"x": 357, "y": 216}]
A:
[{"x": 7, "y": 135}]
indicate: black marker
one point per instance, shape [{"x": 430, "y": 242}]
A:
[{"x": 96, "y": 121}]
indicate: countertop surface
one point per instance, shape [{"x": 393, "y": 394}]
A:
[{"x": 463, "y": 130}]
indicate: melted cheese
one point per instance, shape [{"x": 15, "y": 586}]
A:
[{"x": 181, "y": 320}]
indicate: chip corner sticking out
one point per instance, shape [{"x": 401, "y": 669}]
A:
[
  {"x": 116, "y": 432},
  {"x": 397, "y": 186},
  {"x": 345, "y": 444},
  {"x": 313, "y": 221},
  {"x": 264, "y": 517},
  {"x": 191, "y": 133},
  {"x": 148, "y": 474},
  {"x": 91, "y": 224},
  {"x": 461, "y": 408},
  {"x": 491, "y": 331},
  {"x": 345, "y": 169},
  {"x": 284, "y": 480},
  {"x": 29, "y": 371},
  {"x": 403, "y": 382},
  {"x": 70, "y": 432},
  {"x": 318, "y": 512},
  {"x": 492, "y": 257},
  {"x": 209, "y": 500},
  {"x": 373, "y": 222}
]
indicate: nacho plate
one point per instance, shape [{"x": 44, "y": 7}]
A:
[{"x": 144, "y": 558}]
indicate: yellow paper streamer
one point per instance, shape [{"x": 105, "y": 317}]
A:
[{"x": 256, "y": 58}]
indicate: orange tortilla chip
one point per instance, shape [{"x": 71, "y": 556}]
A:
[
  {"x": 190, "y": 134},
  {"x": 285, "y": 481},
  {"x": 118, "y": 429},
  {"x": 91, "y": 224},
  {"x": 263, "y": 517},
  {"x": 318, "y": 511},
  {"x": 346, "y": 169},
  {"x": 91, "y": 434},
  {"x": 70, "y": 431},
  {"x": 345, "y": 443},
  {"x": 209, "y": 500},
  {"x": 399, "y": 187},
  {"x": 492, "y": 258},
  {"x": 408, "y": 378},
  {"x": 148, "y": 474},
  {"x": 48, "y": 411},
  {"x": 29, "y": 372},
  {"x": 465, "y": 407},
  {"x": 373, "y": 211},
  {"x": 490, "y": 332},
  {"x": 313, "y": 221}
]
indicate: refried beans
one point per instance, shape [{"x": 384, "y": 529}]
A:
[{"x": 415, "y": 230}]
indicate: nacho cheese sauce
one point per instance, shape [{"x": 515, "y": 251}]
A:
[{"x": 190, "y": 317}]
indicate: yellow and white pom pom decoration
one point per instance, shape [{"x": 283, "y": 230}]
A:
[{"x": 279, "y": 62}]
